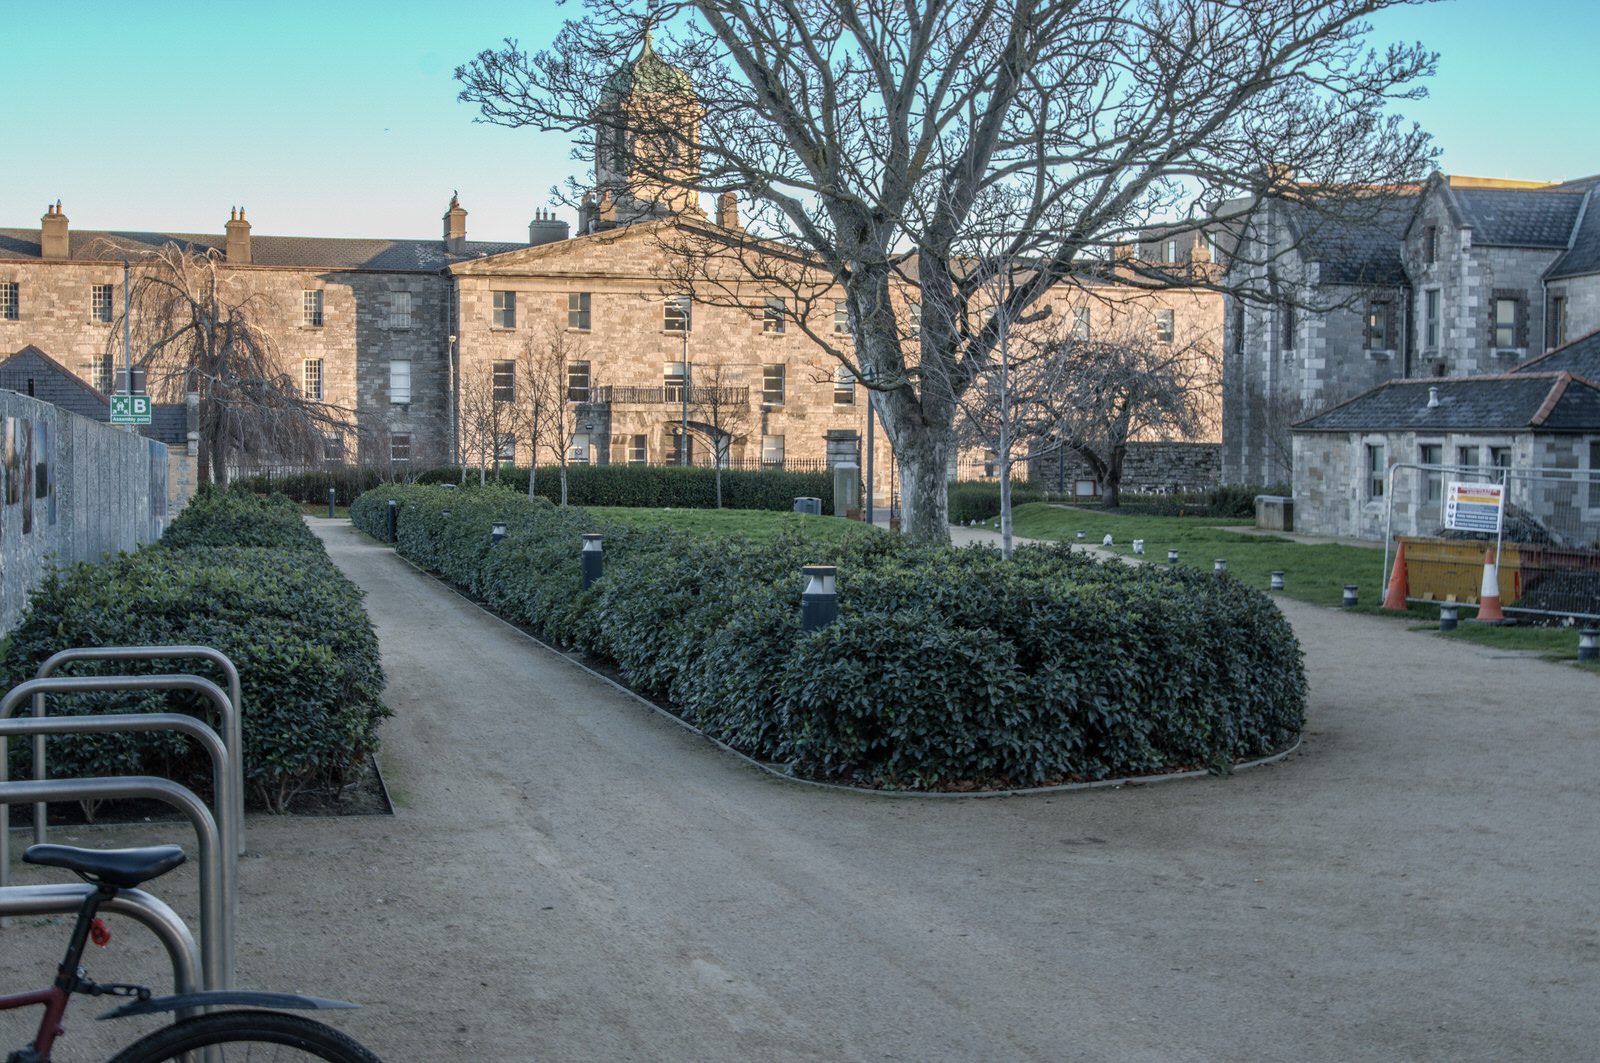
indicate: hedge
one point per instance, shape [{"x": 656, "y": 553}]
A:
[
  {"x": 972, "y": 500},
  {"x": 348, "y": 482},
  {"x": 946, "y": 668},
  {"x": 242, "y": 574},
  {"x": 657, "y": 485}
]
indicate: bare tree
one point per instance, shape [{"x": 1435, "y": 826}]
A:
[
  {"x": 866, "y": 134},
  {"x": 488, "y": 420},
  {"x": 1099, "y": 394},
  {"x": 195, "y": 328},
  {"x": 547, "y": 406},
  {"x": 719, "y": 413}
]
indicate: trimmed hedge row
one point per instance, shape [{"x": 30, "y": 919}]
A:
[
  {"x": 980, "y": 499},
  {"x": 242, "y": 574},
  {"x": 946, "y": 668},
  {"x": 657, "y": 485},
  {"x": 348, "y": 483}
]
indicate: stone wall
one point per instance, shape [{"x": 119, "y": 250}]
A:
[
  {"x": 74, "y": 490},
  {"x": 1583, "y": 303},
  {"x": 1148, "y": 466}
]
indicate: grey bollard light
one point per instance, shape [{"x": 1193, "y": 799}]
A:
[
  {"x": 1277, "y": 580},
  {"x": 333, "y": 497},
  {"x": 1449, "y": 616},
  {"x": 394, "y": 521},
  {"x": 1219, "y": 565},
  {"x": 1138, "y": 546},
  {"x": 819, "y": 602},
  {"x": 497, "y": 531},
  {"x": 1350, "y": 596},
  {"x": 592, "y": 557},
  {"x": 1080, "y": 536},
  {"x": 1589, "y": 644},
  {"x": 1107, "y": 540},
  {"x": 1172, "y": 557}
]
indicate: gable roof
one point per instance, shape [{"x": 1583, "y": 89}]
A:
[
  {"x": 1362, "y": 250},
  {"x": 1504, "y": 215},
  {"x": 1583, "y": 251},
  {"x": 1581, "y": 357},
  {"x": 1515, "y": 402},
  {"x": 54, "y": 383},
  {"x": 284, "y": 252}
]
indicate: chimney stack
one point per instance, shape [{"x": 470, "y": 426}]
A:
[
  {"x": 545, "y": 229},
  {"x": 728, "y": 211},
  {"x": 455, "y": 227},
  {"x": 53, "y": 241},
  {"x": 1433, "y": 395},
  {"x": 238, "y": 237}
]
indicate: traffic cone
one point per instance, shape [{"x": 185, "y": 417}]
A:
[
  {"x": 1489, "y": 594},
  {"x": 1395, "y": 595}
]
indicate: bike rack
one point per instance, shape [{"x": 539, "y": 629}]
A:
[
  {"x": 232, "y": 726},
  {"x": 216, "y": 929},
  {"x": 64, "y": 898},
  {"x": 230, "y": 813}
]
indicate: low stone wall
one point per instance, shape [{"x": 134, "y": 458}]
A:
[
  {"x": 72, "y": 490},
  {"x": 1148, "y": 467}
]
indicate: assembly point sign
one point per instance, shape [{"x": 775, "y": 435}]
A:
[{"x": 1474, "y": 507}]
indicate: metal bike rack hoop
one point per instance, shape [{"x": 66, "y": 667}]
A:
[
  {"x": 216, "y": 929},
  {"x": 231, "y": 815}
]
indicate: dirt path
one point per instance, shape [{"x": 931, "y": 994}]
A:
[{"x": 572, "y": 877}]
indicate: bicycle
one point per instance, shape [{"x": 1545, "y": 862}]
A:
[{"x": 210, "y": 1034}]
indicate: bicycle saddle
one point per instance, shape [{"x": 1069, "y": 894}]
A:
[{"x": 125, "y": 868}]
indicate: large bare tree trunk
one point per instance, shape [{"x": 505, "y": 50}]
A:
[{"x": 924, "y": 459}]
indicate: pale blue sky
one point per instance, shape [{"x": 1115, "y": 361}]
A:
[{"x": 339, "y": 118}]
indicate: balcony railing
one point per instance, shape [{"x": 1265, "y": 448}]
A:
[{"x": 611, "y": 395}]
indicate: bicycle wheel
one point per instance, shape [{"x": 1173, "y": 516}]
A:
[{"x": 248, "y": 1035}]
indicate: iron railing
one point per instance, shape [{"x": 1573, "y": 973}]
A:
[{"x": 613, "y": 395}]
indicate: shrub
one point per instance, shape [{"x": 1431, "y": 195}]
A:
[
  {"x": 980, "y": 499},
  {"x": 656, "y": 485},
  {"x": 946, "y": 668},
  {"x": 293, "y": 625},
  {"x": 347, "y": 481}
]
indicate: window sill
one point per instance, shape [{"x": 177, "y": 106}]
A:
[
  {"x": 1381, "y": 352},
  {"x": 502, "y": 328},
  {"x": 774, "y": 335},
  {"x": 310, "y": 328},
  {"x": 676, "y": 332},
  {"x": 1511, "y": 352},
  {"x": 574, "y": 328}
]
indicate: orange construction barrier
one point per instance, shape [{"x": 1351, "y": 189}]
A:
[
  {"x": 1398, "y": 590},
  {"x": 1489, "y": 595}
]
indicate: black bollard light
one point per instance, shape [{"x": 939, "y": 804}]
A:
[
  {"x": 1350, "y": 596},
  {"x": 1277, "y": 580},
  {"x": 1449, "y": 616},
  {"x": 394, "y": 521},
  {"x": 332, "y": 498},
  {"x": 1589, "y": 644},
  {"x": 497, "y": 531},
  {"x": 592, "y": 557},
  {"x": 819, "y": 602},
  {"x": 1219, "y": 565},
  {"x": 1172, "y": 557}
]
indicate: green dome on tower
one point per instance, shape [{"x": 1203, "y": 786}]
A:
[{"x": 648, "y": 73}]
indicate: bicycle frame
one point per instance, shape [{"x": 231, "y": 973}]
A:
[{"x": 55, "y": 998}]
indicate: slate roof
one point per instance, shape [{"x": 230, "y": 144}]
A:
[
  {"x": 1519, "y": 217},
  {"x": 1584, "y": 254},
  {"x": 56, "y": 384},
  {"x": 288, "y": 252},
  {"x": 1364, "y": 251},
  {"x": 1548, "y": 402},
  {"x": 1580, "y": 357}
]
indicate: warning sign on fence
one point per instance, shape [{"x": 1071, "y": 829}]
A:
[{"x": 1474, "y": 507}]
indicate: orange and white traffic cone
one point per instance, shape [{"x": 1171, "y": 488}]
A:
[
  {"x": 1489, "y": 594},
  {"x": 1398, "y": 590}
]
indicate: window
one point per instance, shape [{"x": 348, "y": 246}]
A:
[
  {"x": 1375, "y": 470},
  {"x": 505, "y": 449},
  {"x": 311, "y": 378},
  {"x": 400, "y": 381},
  {"x": 1430, "y": 319},
  {"x": 1172, "y": 251},
  {"x": 1467, "y": 457},
  {"x": 400, "y": 446},
  {"x": 1080, "y": 323},
  {"x": 101, "y": 373},
  {"x": 638, "y": 450},
  {"x": 100, "y": 302},
  {"x": 991, "y": 462},
  {"x": 1290, "y": 327},
  {"x": 841, "y": 317},
  {"x": 505, "y": 310},
  {"x": 772, "y": 381},
  {"x": 505, "y": 381},
  {"x": 676, "y": 379},
  {"x": 1164, "y": 326},
  {"x": 400, "y": 310},
  {"x": 773, "y": 317},
  {"x": 1378, "y": 326},
  {"x": 1505, "y": 323},
  {"x": 1594, "y": 474},
  {"x": 1430, "y": 244},
  {"x": 678, "y": 315},
  {"x": 578, "y": 310},
  {"x": 772, "y": 450},
  {"x": 844, "y": 387},
  {"x": 311, "y": 308},
  {"x": 1432, "y": 482},
  {"x": 680, "y": 445},
  {"x": 10, "y": 304},
  {"x": 577, "y": 381},
  {"x": 1500, "y": 457},
  {"x": 914, "y": 315},
  {"x": 1558, "y": 320}
]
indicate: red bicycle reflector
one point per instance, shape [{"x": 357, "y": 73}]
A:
[{"x": 98, "y": 932}]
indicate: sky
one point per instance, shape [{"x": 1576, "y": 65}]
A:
[{"x": 340, "y": 118}]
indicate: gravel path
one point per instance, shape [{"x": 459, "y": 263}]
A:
[{"x": 570, "y": 876}]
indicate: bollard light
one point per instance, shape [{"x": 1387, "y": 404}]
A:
[
  {"x": 1589, "y": 644},
  {"x": 1449, "y": 616},
  {"x": 1172, "y": 557},
  {"x": 592, "y": 558},
  {"x": 1350, "y": 596},
  {"x": 394, "y": 520},
  {"x": 819, "y": 602},
  {"x": 1219, "y": 565},
  {"x": 332, "y": 498},
  {"x": 1080, "y": 537},
  {"x": 1138, "y": 546},
  {"x": 1277, "y": 581},
  {"x": 1107, "y": 540},
  {"x": 497, "y": 531}
]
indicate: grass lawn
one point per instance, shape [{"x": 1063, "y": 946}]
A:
[
  {"x": 1315, "y": 574},
  {"x": 320, "y": 509},
  {"x": 745, "y": 523}
]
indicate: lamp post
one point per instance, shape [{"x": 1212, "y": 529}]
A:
[
  {"x": 683, "y": 391},
  {"x": 455, "y": 435}
]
